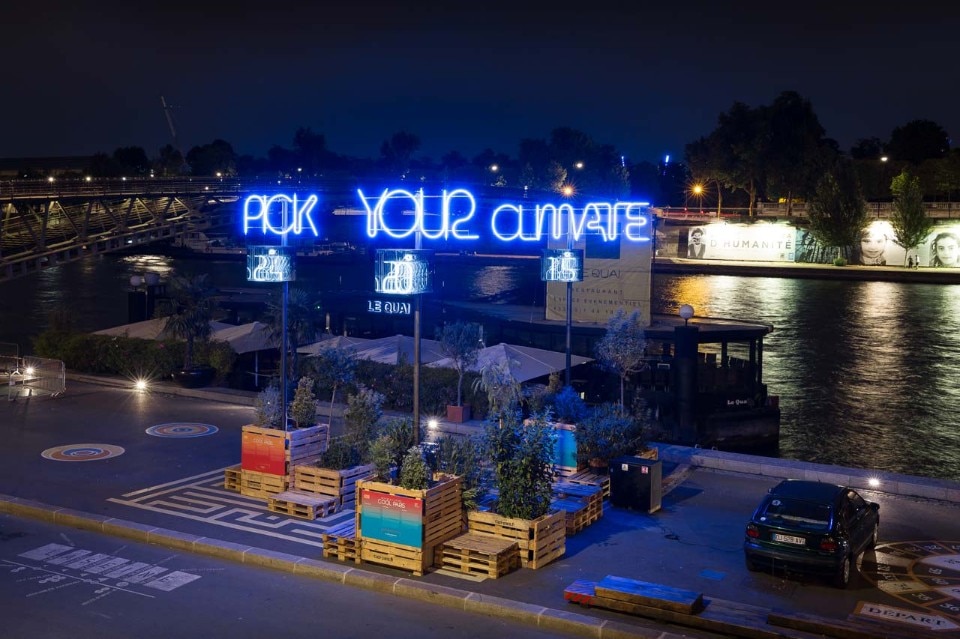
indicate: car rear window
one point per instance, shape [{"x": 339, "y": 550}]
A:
[{"x": 795, "y": 513}]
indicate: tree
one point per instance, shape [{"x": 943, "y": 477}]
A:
[
  {"x": 398, "y": 150},
  {"x": 460, "y": 342},
  {"x": 194, "y": 305},
  {"x": 303, "y": 410},
  {"x": 361, "y": 420},
  {"x": 622, "y": 348},
  {"x": 917, "y": 141},
  {"x": 741, "y": 140},
  {"x": 131, "y": 160},
  {"x": 302, "y": 324},
  {"x": 909, "y": 220},
  {"x": 522, "y": 454},
  {"x": 837, "y": 210},
  {"x": 213, "y": 158},
  {"x": 334, "y": 367},
  {"x": 503, "y": 391}
]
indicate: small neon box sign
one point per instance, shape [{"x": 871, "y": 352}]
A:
[
  {"x": 404, "y": 271},
  {"x": 561, "y": 265},
  {"x": 270, "y": 264}
]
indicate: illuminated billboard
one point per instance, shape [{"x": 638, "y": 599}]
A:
[
  {"x": 270, "y": 264},
  {"x": 761, "y": 242},
  {"x": 404, "y": 271},
  {"x": 561, "y": 265}
]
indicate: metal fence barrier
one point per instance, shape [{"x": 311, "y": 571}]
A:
[{"x": 28, "y": 376}]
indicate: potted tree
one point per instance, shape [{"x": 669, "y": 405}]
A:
[
  {"x": 193, "y": 307},
  {"x": 606, "y": 433},
  {"x": 461, "y": 343},
  {"x": 303, "y": 410}
]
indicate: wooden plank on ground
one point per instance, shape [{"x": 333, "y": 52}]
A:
[
  {"x": 842, "y": 628},
  {"x": 649, "y": 594}
]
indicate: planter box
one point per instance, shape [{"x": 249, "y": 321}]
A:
[
  {"x": 540, "y": 540},
  {"x": 402, "y": 528},
  {"x": 274, "y": 451},
  {"x": 459, "y": 414},
  {"x": 340, "y": 484},
  {"x": 261, "y": 485}
]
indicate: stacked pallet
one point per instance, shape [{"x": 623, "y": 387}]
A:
[
  {"x": 480, "y": 555},
  {"x": 437, "y": 516},
  {"x": 540, "y": 540},
  {"x": 269, "y": 455},
  {"x": 339, "y": 484},
  {"x": 341, "y": 542},
  {"x": 590, "y": 478},
  {"x": 231, "y": 478},
  {"x": 302, "y": 504},
  {"x": 582, "y": 504}
]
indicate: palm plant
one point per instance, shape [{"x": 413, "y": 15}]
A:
[{"x": 194, "y": 305}]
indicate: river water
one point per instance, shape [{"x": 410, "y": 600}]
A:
[{"x": 867, "y": 372}]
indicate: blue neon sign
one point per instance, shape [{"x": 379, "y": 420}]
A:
[
  {"x": 278, "y": 214},
  {"x": 399, "y": 214}
]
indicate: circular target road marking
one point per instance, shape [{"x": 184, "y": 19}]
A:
[
  {"x": 182, "y": 429},
  {"x": 82, "y": 452}
]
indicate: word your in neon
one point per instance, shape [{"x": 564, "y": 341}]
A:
[
  {"x": 399, "y": 213},
  {"x": 278, "y": 214}
]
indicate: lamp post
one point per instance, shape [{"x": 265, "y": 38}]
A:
[
  {"x": 568, "y": 192},
  {"x": 698, "y": 193}
]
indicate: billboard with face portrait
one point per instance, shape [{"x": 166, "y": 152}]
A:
[{"x": 760, "y": 242}]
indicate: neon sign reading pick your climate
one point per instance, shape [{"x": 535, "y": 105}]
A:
[{"x": 399, "y": 213}]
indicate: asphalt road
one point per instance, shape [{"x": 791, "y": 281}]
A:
[{"x": 62, "y": 582}]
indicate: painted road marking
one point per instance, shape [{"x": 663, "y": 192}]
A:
[
  {"x": 203, "y": 498},
  {"x": 908, "y": 617},
  {"x": 181, "y": 429},
  {"x": 82, "y": 452},
  {"x": 925, "y": 574},
  {"x": 58, "y": 561}
]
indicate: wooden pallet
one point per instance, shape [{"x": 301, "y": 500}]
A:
[
  {"x": 480, "y": 555},
  {"x": 341, "y": 484},
  {"x": 341, "y": 542},
  {"x": 589, "y": 478},
  {"x": 582, "y": 503},
  {"x": 261, "y": 485},
  {"x": 231, "y": 478},
  {"x": 395, "y": 556},
  {"x": 540, "y": 540},
  {"x": 303, "y": 505}
]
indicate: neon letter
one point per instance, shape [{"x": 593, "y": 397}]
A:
[{"x": 454, "y": 229}]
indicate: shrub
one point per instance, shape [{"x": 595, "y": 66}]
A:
[
  {"x": 569, "y": 407},
  {"x": 267, "y": 408},
  {"x": 303, "y": 410},
  {"x": 339, "y": 455},
  {"x": 839, "y": 261},
  {"x": 364, "y": 410},
  {"x": 413, "y": 470},
  {"x": 522, "y": 455}
]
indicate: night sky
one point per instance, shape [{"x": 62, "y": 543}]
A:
[{"x": 83, "y": 77}]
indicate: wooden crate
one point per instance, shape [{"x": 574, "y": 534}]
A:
[
  {"x": 340, "y": 484},
  {"x": 540, "y": 540},
  {"x": 480, "y": 555},
  {"x": 582, "y": 503},
  {"x": 588, "y": 478},
  {"x": 231, "y": 478},
  {"x": 341, "y": 542},
  {"x": 261, "y": 485},
  {"x": 399, "y": 556},
  {"x": 441, "y": 518},
  {"x": 304, "y": 505},
  {"x": 300, "y": 446}
]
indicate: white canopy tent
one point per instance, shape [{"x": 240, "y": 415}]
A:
[
  {"x": 391, "y": 350},
  {"x": 525, "y": 362},
  {"x": 332, "y": 341},
  {"x": 248, "y": 338},
  {"x": 150, "y": 329}
]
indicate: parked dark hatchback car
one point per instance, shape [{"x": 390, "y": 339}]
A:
[{"x": 811, "y": 527}]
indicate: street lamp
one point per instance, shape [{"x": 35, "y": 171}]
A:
[
  {"x": 698, "y": 193},
  {"x": 686, "y": 312}
]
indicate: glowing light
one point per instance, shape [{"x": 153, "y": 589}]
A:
[
  {"x": 561, "y": 265},
  {"x": 873, "y": 482},
  {"x": 432, "y": 423},
  {"x": 403, "y": 272},
  {"x": 29, "y": 370},
  {"x": 451, "y": 220},
  {"x": 141, "y": 385},
  {"x": 262, "y": 209},
  {"x": 567, "y": 190}
]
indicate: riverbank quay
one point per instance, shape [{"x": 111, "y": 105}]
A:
[
  {"x": 853, "y": 272},
  {"x": 164, "y": 491}
]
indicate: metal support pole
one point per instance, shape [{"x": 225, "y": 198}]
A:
[
  {"x": 569, "y": 322},
  {"x": 416, "y": 357},
  {"x": 283, "y": 335}
]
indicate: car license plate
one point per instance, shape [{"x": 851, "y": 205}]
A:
[{"x": 789, "y": 539}]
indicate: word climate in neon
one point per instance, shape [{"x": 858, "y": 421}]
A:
[
  {"x": 399, "y": 214},
  {"x": 279, "y": 214}
]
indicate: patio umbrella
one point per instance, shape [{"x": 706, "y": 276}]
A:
[
  {"x": 525, "y": 362},
  {"x": 149, "y": 329},
  {"x": 248, "y": 338},
  {"x": 391, "y": 350},
  {"x": 331, "y": 341}
]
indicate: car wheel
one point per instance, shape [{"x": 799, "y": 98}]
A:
[
  {"x": 751, "y": 565},
  {"x": 875, "y": 537},
  {"x": 842, "y": 578}
]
